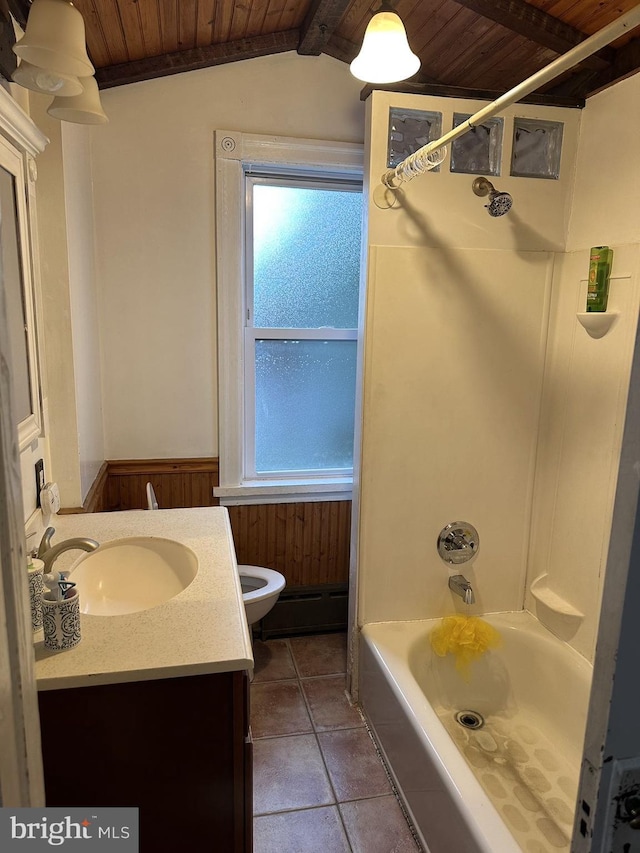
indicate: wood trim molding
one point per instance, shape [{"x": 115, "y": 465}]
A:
[
  {"x": 196, "y": 58},
  {"x": 19, "y": 127},
  {"x": 319, "y": 25},
  {"x": 341, "y": 48},
  {"x": 94, "y": 501},
  {"x": 537, "y": 26},
  {"x": 440, "y": 91},
  {"x": 134, "y": 467}
]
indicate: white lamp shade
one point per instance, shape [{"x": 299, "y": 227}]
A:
[
  {"x": 45, "y": 81},
  {"x": 54, "y": 39},
  {"x": 385, "y": 55},
  {"x": 83, "y": 109}
]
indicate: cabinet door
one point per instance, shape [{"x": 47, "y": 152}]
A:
[{"x": 168, "y": 746}]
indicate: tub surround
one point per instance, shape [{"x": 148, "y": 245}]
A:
[{"x": 202, "y": 630}]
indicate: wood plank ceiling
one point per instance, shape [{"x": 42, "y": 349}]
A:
[{"x": 474, "y": 44}]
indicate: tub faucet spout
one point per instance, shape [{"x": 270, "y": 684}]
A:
[{"x": 461, "y": 586}]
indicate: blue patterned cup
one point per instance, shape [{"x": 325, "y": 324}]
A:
[
  {"x": 61, "y": 622},
  {"x": 35, "y": 593}
]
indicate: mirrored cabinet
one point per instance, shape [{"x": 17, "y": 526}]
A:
[{"x": 20, "y": 142}]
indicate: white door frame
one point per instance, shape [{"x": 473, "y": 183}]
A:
[
  {"x": 21, "y": 777},
  {"x": 613, "y": 731}
]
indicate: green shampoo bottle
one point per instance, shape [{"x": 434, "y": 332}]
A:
[{"x": 600, "y": 260}]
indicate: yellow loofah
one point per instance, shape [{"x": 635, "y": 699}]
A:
[{"x": 466, "y": 637}]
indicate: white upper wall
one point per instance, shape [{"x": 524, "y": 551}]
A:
[
  {"x": 155, "y": 251},
  {"x": 606, "y": 201},
  {"x": 83, "y": 300},
  {"x": 59, "y": 379},
  {"x": 71, "y": 366}
]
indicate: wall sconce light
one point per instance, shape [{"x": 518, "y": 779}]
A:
[
  {"x": 54, "y": 61},
  {"x": 81, "y": 109},
  {"x": 385, "y": 55},
  {"x": 54, "y": 39},
  {"x": 46, "y": 81}
]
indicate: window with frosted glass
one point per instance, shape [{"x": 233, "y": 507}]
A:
[
  {"x": 302, "y": 313},
  {"x": 305, "y": 393},
  {"x": 306, "y": 257}
]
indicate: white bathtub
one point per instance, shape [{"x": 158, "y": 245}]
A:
[{"x": 507, "y": 787}]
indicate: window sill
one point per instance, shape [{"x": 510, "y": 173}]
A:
[{"x": 282, "y": 491}]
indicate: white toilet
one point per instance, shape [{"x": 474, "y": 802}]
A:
[{"x": 260, "y": 590}]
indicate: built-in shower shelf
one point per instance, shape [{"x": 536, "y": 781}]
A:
[
  {"x": 543, "y": 593},
  {"x": 597, "y": 323}
]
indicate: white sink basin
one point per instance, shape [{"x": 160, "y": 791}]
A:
[{"x": 129, "y": 575}]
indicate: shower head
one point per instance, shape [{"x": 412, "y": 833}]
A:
[{"x": 499, "y": 203}]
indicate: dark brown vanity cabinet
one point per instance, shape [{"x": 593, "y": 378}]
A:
[{"x": 178, "y": 748}]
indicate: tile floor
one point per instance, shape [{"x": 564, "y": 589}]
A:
[{"x": 319, "y": 786}]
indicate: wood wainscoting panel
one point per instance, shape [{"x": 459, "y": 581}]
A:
[
  {"x": 96, "y": 499},
  {"x": 307, "y": 542},
  {"x": 176, "y": 482}
]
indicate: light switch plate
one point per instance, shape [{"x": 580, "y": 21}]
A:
[{"x": 40, "y": 481}]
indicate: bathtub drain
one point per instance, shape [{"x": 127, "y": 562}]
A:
[{"x": 470, "y": 719}]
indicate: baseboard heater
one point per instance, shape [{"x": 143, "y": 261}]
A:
[{"x": 306, "y": 610}]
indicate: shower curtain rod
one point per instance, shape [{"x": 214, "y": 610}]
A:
[{"x": 422, "y": 160}]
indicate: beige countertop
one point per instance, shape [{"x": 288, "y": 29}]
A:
[{"x": 201, "y": 630}]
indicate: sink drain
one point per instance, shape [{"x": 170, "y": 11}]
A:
[{"x": 470, "y": 719}]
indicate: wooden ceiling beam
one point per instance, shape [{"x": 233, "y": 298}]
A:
[
  {"x": 196, "y": 58},
  {"x": 537, "y": 26},
  {"x": 8, "y": 59},
  {"x": 574, "y": 84},
  {"x": 20, "y": 10},
  {"x": 627, "y": 63},
  {"x": 442, "y": 91},
  {"x": 585, "y": 82},
  {"x": 341, "y": 48},
  {"x": 319, "y": 25}
]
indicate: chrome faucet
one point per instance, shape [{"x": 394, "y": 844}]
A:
[
  {"x": 49, "y": 553},
  {"x": 461, "y": 586}
]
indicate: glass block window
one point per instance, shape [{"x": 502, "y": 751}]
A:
[
  {"x": 303, "y": 273},
  {"x": 537, "y": 147},
  {"x": 479, "y": 151},
  {"x": 410, "y": 130}
]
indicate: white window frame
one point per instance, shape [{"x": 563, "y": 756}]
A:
[{"x": 236, "y": 155}]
